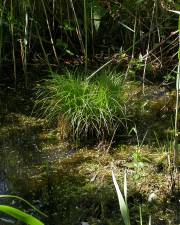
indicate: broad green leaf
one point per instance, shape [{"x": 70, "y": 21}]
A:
[{"x": 19, "y": 215}]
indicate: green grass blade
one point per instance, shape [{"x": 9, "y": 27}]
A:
[
  {"x": 22, "y": 216},
  {"x": 123, "y": 207},
  {"x": 23, "y": 200},
  {"x": 140, "y": 214},
  {"x": 125, "y": 186},
  {"x": 175, "y": 11}
]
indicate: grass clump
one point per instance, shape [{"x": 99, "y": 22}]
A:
[{"x": 83, "y": 107}]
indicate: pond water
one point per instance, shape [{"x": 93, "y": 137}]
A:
[{"x": 71, "y": 186}]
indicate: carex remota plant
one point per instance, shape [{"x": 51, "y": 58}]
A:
[{"x": 93, "y": 107}]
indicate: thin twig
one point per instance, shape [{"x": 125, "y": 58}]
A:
[{"x": 100, "y": 68}]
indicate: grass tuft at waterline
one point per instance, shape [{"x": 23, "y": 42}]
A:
[{"x": 82, "y": 107}]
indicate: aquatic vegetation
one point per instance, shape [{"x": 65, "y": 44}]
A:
[
  {"x": 19, "y": 214},
  {"x": 137, "y": 38},
  {"x": 82, "y": 107},
  {"x": 122, "y": 200},
  {"x": 124, "y": 209}
]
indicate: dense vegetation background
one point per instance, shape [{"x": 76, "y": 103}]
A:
[{"x": 57, "y": 33}]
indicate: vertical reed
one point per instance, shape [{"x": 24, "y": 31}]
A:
[
  {"x": 2, "y": 7},
  {"x": 92, "y": 26},
  {"x": 25, "y": 41},
  {"x": 86, "y": 35},
  {"x": 148, "y": 45},
  {"x": 12, "y": 40},
  {"x": 176, "y": 135},
  {"x": 78, "y": 30},
  {"x": 176, "y": 139},
  {"x": 50, "y": 33}
]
